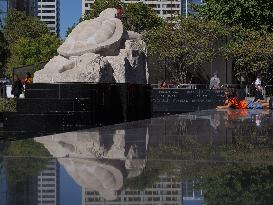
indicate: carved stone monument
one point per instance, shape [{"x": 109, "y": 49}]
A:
[
  {"x": 93, "y": 166},
  {"x": 100, "y": 51}
]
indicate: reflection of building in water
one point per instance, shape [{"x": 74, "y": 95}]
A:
[
  {"x": 165, "y": 191},
  {"x": 3, "y": 185},
  {"x": 165, "y": 9},
  {"x": 48, "y": 182},
  {"x": 99, "y": 160}
]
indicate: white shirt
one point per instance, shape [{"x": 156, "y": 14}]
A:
[{"x": 258, "y": 84}]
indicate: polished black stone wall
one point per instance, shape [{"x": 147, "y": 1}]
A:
[
  {"x": 185, "y": 100},
  {"x": 71, "y": 106}
]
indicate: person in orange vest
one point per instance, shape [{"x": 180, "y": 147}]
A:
[
  {"x": 233, "y": 101},
  {"x": 28, "y": 79}
]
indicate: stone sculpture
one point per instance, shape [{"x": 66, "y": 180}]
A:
[
  {"x": 91, "y": 164},
  {"x": 99, "y": 51}
]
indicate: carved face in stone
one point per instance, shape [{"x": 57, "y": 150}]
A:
[{"x": 93, "y": 35}]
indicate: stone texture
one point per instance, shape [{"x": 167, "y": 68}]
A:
[
  {"x": 89, "y": 67},
  {"x": 98, "y": 51},
  {"x": 100, "y": 35},
  {"x": 130, "y": 65},
  {"x": 81, "y": 154}
]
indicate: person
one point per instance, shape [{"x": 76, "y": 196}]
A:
[
  {"x": 28, "y": 79},
  {"x": 258, "y": 88},
  {"x": 17, "y": 87},
  {"x": 214, "y": 82},
  {"x": 237, "y": 102},
  {"x": 164, "y": 85}
]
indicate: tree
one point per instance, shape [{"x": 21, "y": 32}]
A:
[
  {"x": 100, "y": 5},
  {"x": 29, "y": 41},
  {"x": 251, "y": 185},
  {"x": 139, "y": 17},
  {"x": 17, "y": 24},
  {"x": 247, "y": 13},
  {"x": 186, "y": 45},
  {"x": 252, "y": 52},
  {"x": 22, "y": 164},
  {"x": 70, "y": 29},
  {"x": 28, "y": 51},
  {"x": 3, "y": 50}
]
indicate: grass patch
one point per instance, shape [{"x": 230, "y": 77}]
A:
[{"x": 7, "y": 104}]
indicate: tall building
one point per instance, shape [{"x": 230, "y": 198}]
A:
[
  {"x": 87, "y": 5},
  {"x": 3, "y": 184},
  {"x": 165, "y": 9},
  {"x": 186, "y": 6},
  {"x": 49, "y": 12},
  {"x": 48, "y": 184},
  {"x": 166, "y": 191},
  {"x": 27, "y": 6},
  {"x": 4, "y": 6}
]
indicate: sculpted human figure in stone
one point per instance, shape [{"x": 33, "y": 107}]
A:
[
  {"x": 98, "y": 50},
  {"x": 90, "y": 164},
  {"x": 99, "y": 35}
]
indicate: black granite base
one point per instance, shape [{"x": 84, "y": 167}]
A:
[
  {"x": 271, "y": 103},
  {"x": 185, "y": 100},
  {"x": 72, "y": 106}
]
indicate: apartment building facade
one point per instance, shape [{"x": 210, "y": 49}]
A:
[
  {"x": 48, "y": 184},
  {"x": 49, "y": 12},
  {"x": 164, "y": 8},
  {"x": 166, "y": 191},
  {"x": 27, "y": 6}
]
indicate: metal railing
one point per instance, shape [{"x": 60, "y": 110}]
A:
[
  {"x": 196, "y": 86},
  {"x": 249, "y": 89},
  {"x": 268, "y": 91}
]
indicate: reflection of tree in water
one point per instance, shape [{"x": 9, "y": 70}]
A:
[
  {"x": 146, "y": 179},
  {"x": 22, "y": 160},
  {"x": 240, "y": 185},
  {"x": 237, "y": 173},
  {"x": 181, "y": 126}
]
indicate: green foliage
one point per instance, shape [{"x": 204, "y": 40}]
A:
[
  {"x": 185, "y": 45},
  {"x": 25, "y": 161},
  {"x": 18, "y": 25},
  {"x": 100, "y": 5},
  {"x": 247, "y": 13},
  {"x": 3, "y": 50},
  {"x": 240, "y": 186},
  {"x": 7, "y": 105},
  {"x": 28, "y": 51},
  {"x": 251, "y": 51},
  {"x": 139, "y": 17},
  {"x": 69, "y": 29},
  {"x": 146, "y": 179},
  {"x": 29, "y": 41}
]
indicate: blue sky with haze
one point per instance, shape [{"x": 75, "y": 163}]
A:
[{"x": 70, "y": 14}]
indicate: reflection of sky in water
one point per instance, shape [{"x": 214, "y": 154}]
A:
[
  {"x": 197, "y": 202},
  {"x": 109, "y": 157},
  {"x": 70, "y": 191},
  {"x": 3, "y": 186}
]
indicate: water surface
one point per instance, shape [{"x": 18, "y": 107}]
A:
[{"x": 205, "y": 157}]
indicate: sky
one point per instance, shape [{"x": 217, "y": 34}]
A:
[
  {"x": 70, "y": 14},
  {"x": 70, "y": 191}
]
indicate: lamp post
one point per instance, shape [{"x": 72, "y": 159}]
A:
[{"x": 186, "y": 8}]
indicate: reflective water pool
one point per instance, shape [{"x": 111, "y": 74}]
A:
[{"x": 205, "y": 157}]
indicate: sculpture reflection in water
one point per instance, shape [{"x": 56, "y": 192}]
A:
[
  {"x": 96, "y": 161},
  {"x": 171, "y": 159}
]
